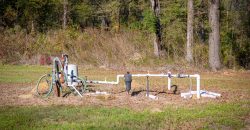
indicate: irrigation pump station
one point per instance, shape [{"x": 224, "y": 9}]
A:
[{"x": 64, "y": 74}]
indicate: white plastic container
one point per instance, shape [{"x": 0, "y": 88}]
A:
[{"x": 72, "y": 71}]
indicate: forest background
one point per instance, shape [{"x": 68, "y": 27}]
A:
[{"x": 121, "y": 33}]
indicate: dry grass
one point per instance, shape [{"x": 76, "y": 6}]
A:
[{"x": 91, "y": 47}]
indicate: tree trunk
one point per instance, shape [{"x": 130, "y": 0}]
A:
[
  {"x": 104, "y": 24},
  {"x": 32, "y": 31},
  {"x": 189, "y": 56},
  {"x": 214, "y": 35},
  {"x": 65, "y": 2},
  {"x": 155, "y": 5}
]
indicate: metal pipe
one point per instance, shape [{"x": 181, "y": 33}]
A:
[{"x": 147, "y": 86}]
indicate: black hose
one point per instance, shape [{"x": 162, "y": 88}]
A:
[{"x": 175, "y": 88}]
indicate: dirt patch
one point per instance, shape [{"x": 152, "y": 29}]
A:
[{"x": 24, "y": 94}]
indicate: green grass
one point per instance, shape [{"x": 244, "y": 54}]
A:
[
  {"x": 22, "y": 73},
  {"x": 77, "y": 117}
]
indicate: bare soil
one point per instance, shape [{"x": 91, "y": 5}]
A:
[{"x": 23, "y": 94}]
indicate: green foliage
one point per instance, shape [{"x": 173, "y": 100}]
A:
[
  {"x": 10, "y": 14},
  {"x": 135, "y": 25},
  {"x": 174, "y": 28},
  {"x": 234, "y": 39},
  {"x": 45, "y": 16},
  {"x": 149, "y": 21},
  {"x": 82, "y": 13}
]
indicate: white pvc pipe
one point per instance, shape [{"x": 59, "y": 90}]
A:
[
  {"x": 106, "y": 82},
  {"x": 215, "y": 94},
  {"x": 169, "y": 76},
  {"x": 169, "y": 83},
  {"x": 198, "y": 85},
  {"x": 203, "y": 93},
  {"x": 208, "y": 95}
]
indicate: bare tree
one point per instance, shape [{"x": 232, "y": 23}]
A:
[
  {"x": 214, "y": 35},
  {"x": 155, "y": 6},
  {"x": 65, "y": 2},
  {"x": 190, "y": 19}
]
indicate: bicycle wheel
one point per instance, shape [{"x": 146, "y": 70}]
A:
[{"x": 44, "y": 85}]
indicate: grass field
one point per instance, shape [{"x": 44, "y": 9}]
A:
[{"x": 231, "y": 111}]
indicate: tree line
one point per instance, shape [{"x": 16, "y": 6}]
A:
[{"x": 220, "y": 25}]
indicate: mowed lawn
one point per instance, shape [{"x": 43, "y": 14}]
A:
[{"x": 231, "y": 114}]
